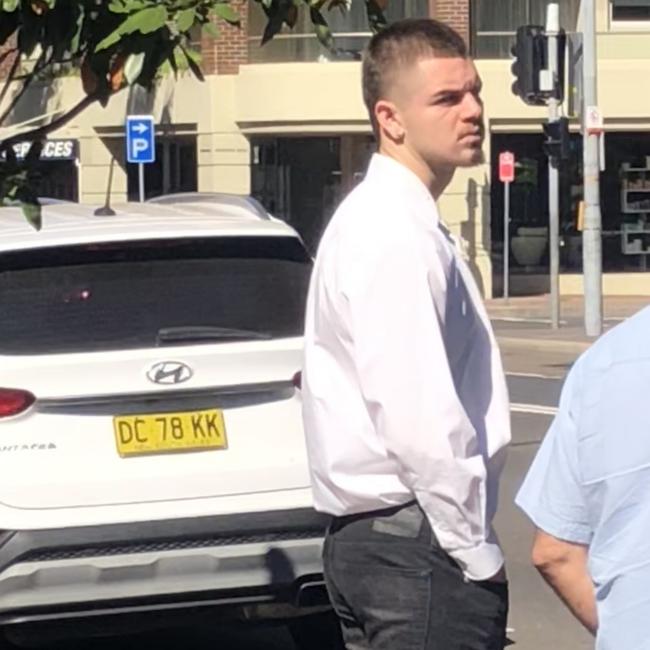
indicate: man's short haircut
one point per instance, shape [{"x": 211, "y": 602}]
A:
[{"x": 401, "y": 45}]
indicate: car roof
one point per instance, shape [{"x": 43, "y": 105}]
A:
[{"x": 206, "y": 216}]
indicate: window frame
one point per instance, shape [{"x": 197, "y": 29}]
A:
[
  {"x": 624, "y": 25},
  {"x": 308, "y": 34},
  {"x": 474, "y": 32}
]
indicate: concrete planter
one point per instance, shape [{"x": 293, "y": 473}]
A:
[{"x": 529, "y": 245}]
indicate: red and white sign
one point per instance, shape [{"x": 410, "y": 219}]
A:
[
  {"x": 594, "y": 120},
  {"x": 506, "y": 167}
]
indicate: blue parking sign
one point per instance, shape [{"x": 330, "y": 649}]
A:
[{"x": 140, "y": 139}]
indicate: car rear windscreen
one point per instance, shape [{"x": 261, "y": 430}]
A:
[{"x": 115, "y": 296}]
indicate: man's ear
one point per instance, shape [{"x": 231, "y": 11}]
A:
[{"x": 389, "y": 120}]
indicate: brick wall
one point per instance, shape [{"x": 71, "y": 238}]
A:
[
  {"x": 454, "y": 13},
  {"x": 225, "y": 54},
  {"x": 6, "y": 64}
]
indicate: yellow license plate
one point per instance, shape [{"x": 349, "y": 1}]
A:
[{"x": 161, "y": 433}]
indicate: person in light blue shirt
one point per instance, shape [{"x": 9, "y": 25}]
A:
[{"x": 588, "y": 490}]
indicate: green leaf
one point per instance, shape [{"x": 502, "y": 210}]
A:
[
  {"x": 118, "y": 7},
  {"x": 133, "y": 67},
  {"x": 145, "y": 21},
  {"x": 10, "y": 5},
  {"x": 185, "y": 19},
  {"x": 32, "y": 212},
  {"x": 227, "y": 13},
  {"x": 210, "y": 29},
  {"x": 321, "y": 28},
  {"x": 76, "y": 39}
]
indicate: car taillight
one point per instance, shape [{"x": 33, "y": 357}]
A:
[
  {"x": 14, "y": 401},
  {"x": 297, "y": 380}
]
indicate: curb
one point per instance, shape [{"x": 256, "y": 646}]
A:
[{"x": 543, "y": 345}]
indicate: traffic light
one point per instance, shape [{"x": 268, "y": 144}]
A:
[
  {"x": 529, "y": 52},
  {"x": 558, "y": 140}
]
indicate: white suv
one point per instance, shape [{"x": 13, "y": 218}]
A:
[{"x": 151, "y": 448}]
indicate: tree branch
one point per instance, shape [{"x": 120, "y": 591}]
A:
[
  {"x": 49, "y": 62},
  {"x": 26, "y": 84},
  {"x": 42, "y": 131}
]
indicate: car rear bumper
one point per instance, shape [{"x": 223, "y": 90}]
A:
[{"x": 230, "y": 560}]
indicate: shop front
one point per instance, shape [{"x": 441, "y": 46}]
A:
[
  {"x": 303, "y": 179},
  {"x": 625, "y": 203},
  {"x": 58, "y": 168}
]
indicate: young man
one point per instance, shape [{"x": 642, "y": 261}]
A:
[
  {"x": 405, "y": 403},
  {"x": 588, "y": 489}
]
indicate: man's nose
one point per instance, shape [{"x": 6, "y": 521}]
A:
[{"x": 472, "y": 107}]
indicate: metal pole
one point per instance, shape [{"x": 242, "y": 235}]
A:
[
  {"x": 552, "y": 29},
  {"x": 506, "y": 240},
  {"x": 141, "y": 181},
  {"x": 592, "y": 232}
]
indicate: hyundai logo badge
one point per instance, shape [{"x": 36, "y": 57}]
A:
[{"x": 169, "y": 373}]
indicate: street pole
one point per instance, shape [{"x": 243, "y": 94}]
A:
[
  {"x": 141, "y": 181},
  {"x": 592, "y": 232},
  {"x": 506, "y": 240},
  {"x": 552, "y": 31}
]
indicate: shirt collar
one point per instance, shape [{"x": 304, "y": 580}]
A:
[{"x": 390, "y": 173}]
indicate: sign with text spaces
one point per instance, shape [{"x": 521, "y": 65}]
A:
[
  {"x": 506, "y": 167},
  {"x": 140, "y": 139}
]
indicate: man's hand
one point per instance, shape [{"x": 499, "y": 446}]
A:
[{"x": 564, "y": 566}]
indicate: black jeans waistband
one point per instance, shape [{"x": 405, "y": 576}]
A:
[{"x": 404, "y": 521}]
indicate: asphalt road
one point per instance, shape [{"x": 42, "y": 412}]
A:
[{"x": 537, "y": 620}]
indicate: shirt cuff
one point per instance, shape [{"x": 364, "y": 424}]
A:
[{"x": 480, "y": 562}]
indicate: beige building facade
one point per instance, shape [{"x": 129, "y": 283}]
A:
[{"x": 286, "y": 123}]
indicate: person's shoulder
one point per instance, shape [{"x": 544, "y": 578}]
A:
[
  {"x": 370, "y": 215},
  {"x": 611, "y": 365},
  {"x": 626, "y": 343},
  {"x": 368, "y": 200},
  {"x": 364, "y": 235}
]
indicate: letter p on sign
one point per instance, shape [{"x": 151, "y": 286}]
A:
[{"x": 506, "y": 167}]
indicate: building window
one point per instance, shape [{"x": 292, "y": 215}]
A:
[
  {"x": 350, "y": 29},
  {"x": 630, "y": 11},
  {"x": 494, "y": 23}
]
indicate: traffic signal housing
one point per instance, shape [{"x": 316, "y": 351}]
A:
[
  {"x": 557, "y": 144},
  {"x": 529, "y": 54},
  {"x": 530, "y": 57}
]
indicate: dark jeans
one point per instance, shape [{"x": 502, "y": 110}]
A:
[{"x": 394, "y": 588}]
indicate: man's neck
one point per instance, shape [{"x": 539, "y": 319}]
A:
[{"x": 436, "y": 180}]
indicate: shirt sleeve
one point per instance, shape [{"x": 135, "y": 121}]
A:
[
  {"x": 407, "y": 384},
  {"x": 552, "y": 495}
]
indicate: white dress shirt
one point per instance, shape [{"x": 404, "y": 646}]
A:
[{"x": 404, "y": 394}]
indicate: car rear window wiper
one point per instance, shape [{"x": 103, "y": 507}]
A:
[{"x": 196, "y": 333}]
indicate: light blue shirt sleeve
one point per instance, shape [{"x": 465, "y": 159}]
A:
[{"x": 552, "y": 494}]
